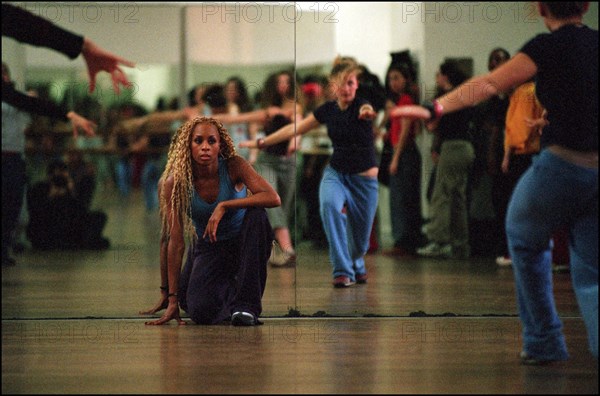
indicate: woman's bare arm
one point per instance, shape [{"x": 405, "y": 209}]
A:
[{"x": 175, "y": 249}]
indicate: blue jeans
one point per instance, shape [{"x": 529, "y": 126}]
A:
[
  {"x": 348, "y": 234},
  {"x": 551, "y": 194},
  {"x": 150, "y": 176},
  {"x": 123, "y": 175}
]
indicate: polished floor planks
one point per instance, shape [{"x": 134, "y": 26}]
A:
[
  {"x": 345, "y": 355},
  {"x": 70, "y": 324}
]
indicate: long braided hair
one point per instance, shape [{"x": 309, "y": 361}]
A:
[{"x": 179, "y": 166}]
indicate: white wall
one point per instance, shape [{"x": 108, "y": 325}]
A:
[
  {"x": 252, "y": 34},
  {"x": 252, "y": 39},
  {"x": 240, "y": 33},
  {"x": 143, "y": 33},
  {"x": 315, "y": 34},
  {"x": 364, "y": 31},
  {"x": 473, "y": 30},
  {"x": 234, "y": 35},
  {"x": 407, "y": 33}
]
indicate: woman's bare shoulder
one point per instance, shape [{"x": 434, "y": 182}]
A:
[
  {"x": 236, "y": 162},
  {"x": 166, "y": 182}
]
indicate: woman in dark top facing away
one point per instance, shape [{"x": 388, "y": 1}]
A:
[{"x": 560, "y": 189}]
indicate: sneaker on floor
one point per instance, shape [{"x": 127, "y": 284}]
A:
[
  {"x": 504, "y": 261},
  {"x": 435, "y": 249},
  {"x": 283, "y": 259},
  {"x": 361, "y": 278},
  {"x": 343, "y": 281},
  {"x": 243, "y": 318}
]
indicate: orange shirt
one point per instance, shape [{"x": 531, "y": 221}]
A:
[{"x": 521, "y": 138}]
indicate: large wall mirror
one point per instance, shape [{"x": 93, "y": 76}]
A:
[{"x": 178, "y": 46}]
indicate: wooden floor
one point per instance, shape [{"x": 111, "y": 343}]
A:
[{"x": 70, "y": 324}]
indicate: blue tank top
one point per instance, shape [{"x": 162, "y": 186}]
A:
[{"x": 231, "y": 223}]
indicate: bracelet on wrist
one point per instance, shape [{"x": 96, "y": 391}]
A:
[
  {"x": 171, "y": 295},
  {"x": 260, "y": 143},
  {"x": 435, "y": 109}
]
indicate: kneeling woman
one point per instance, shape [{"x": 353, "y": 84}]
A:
[{"x": 216, "y": 199}]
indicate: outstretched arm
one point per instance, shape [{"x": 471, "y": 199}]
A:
[
  {"x": 157, "y": 119},
  {"x": 29, "y": 28},
  {"x": 284, "y": 133},
  {"x": 259, "y": 116},
  {"x": 80, "y": 122},
  {"x": 514, "y": 72},
  {"x": 98, "y": 59},
  {"x": 294, "y": 143},
  {"x": 41, "y": 32},
  {"x": 35, "y": 105}
]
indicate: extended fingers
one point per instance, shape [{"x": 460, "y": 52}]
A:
[
  {"x": 124, "y": 62},
  {"x": 210, "y": 233},
  {"x": 211, "y": 228},
  {"x": 119, "y": 77}
]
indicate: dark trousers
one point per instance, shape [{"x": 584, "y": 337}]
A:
[
  {"x": 79, "y": 231},
  {"x": 221, "y": 278},
  {"x": 405, "y": 200},
  {"x": 13, "y": 187}
]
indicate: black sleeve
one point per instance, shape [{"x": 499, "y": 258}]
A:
[
  {"x": 32, "y": 104},
  {"x": 321, "y": 113},
  {"x": 537, "y": 48},
  {"x": 28, "y": 28}
]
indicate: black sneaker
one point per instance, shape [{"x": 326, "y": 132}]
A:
[{"x": 242, "y": 318}]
